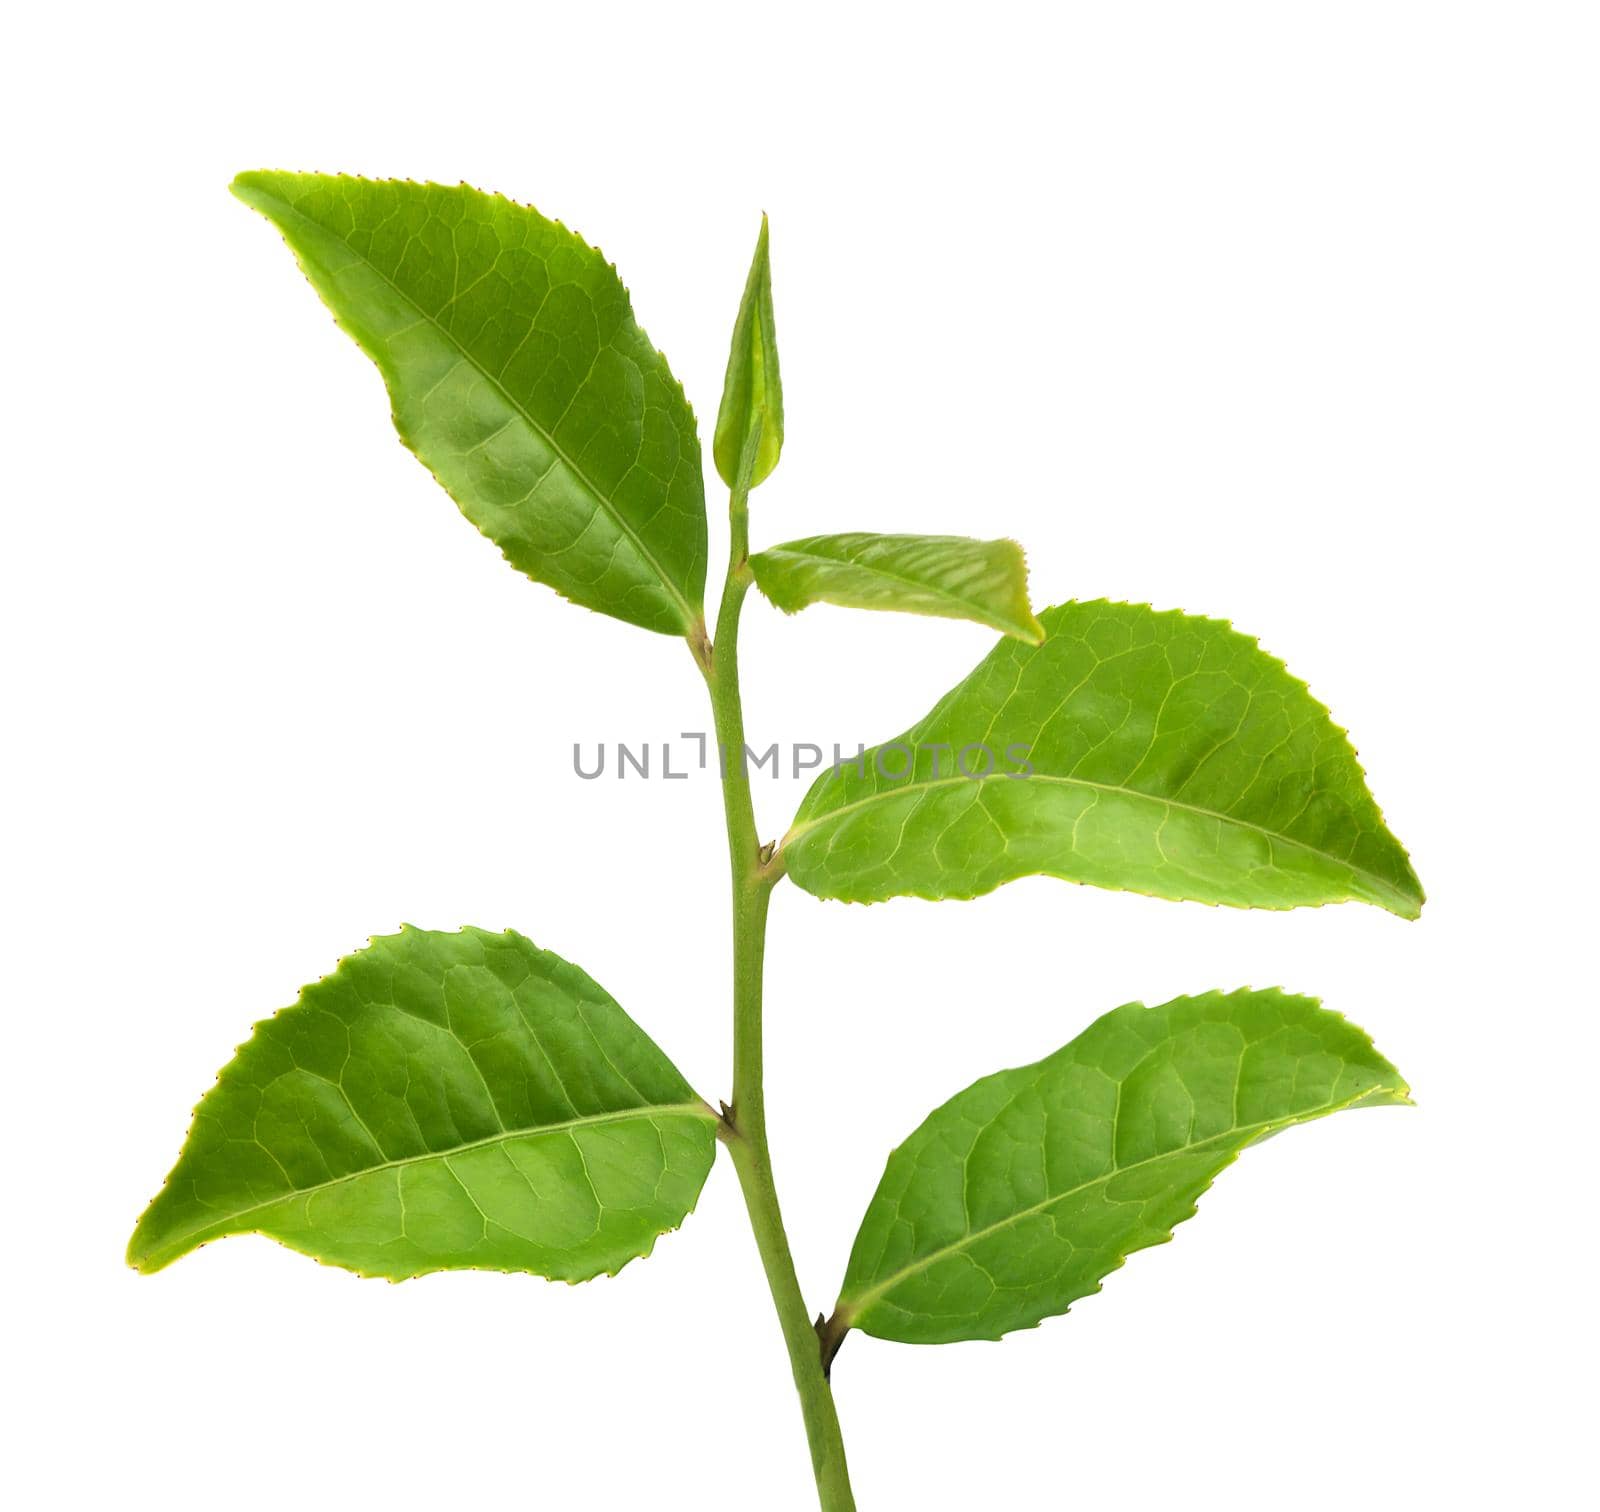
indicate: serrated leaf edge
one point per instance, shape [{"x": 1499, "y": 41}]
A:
[
  {"x": 978, "y": 616},
  {"x": 693, "y": 613},
  {"x": 698, "y": 1109},
  {"x": 802, "y": 825},
  {"x": 1397, "y": 1095}
]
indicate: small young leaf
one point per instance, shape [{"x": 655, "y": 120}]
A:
[
  {"x": 1022, "y": 1193},
  {"x": 752, "y": 389},
  {"x": 519, "y": 378},
  {"x": 1155, "y": 752},
  {"x": 442, "y": 1101},
  {"x": 954, "y": 577}
]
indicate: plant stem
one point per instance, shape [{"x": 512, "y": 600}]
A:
[{"x": 745, "y": 1129}]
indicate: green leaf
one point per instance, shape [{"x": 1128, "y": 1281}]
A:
[
  {"x": 1155, "y": 752},
  {"x": 953, "y": 577},
  {"x": 752, "y": 388},
  {"x": 1020, "y": 1194},
  {"x": 520, "y": 379},
  {"x": 442, "y": 1101}
]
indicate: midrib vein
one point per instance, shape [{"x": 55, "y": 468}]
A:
[
  {"x": 800, "y": 830},
  {"x": 695, "y": 1110},
  {"x": 602, "y": 502}
]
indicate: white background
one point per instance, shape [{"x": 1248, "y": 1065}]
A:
[{"x": 1281, "y": 312}]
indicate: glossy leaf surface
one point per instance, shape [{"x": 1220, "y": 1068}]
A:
[
  {"x": 1020, "y": 1194},
  {"x": 752, "y": 387},
  {"x": 520, "y": 379},
  {"x": 953, "y": 577},
  {"x": 1155, "y": 752},
  {"x": 442, "y": 1101}
]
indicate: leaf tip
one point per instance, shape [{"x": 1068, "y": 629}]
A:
[
  {"x": 1406, "y": 899},
  {"x": 142, "y": 1254},
  {"x": 250, "y": 186}
]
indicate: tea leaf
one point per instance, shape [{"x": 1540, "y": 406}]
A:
[
  {"x": 1020, "y": 1194},
  {"x": 752, "y": 388},
  {"x": 442, "y": 1101},
  {"x": 1155, "y": 752},
  {"x": 953, "y": 577},
  {"x": 519, "y": 378}
]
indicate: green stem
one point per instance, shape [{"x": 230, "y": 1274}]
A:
[{"x": 745, "y": 1129}]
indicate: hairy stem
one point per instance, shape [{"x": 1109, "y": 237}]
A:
[{"x": 746, "y": 1123}]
